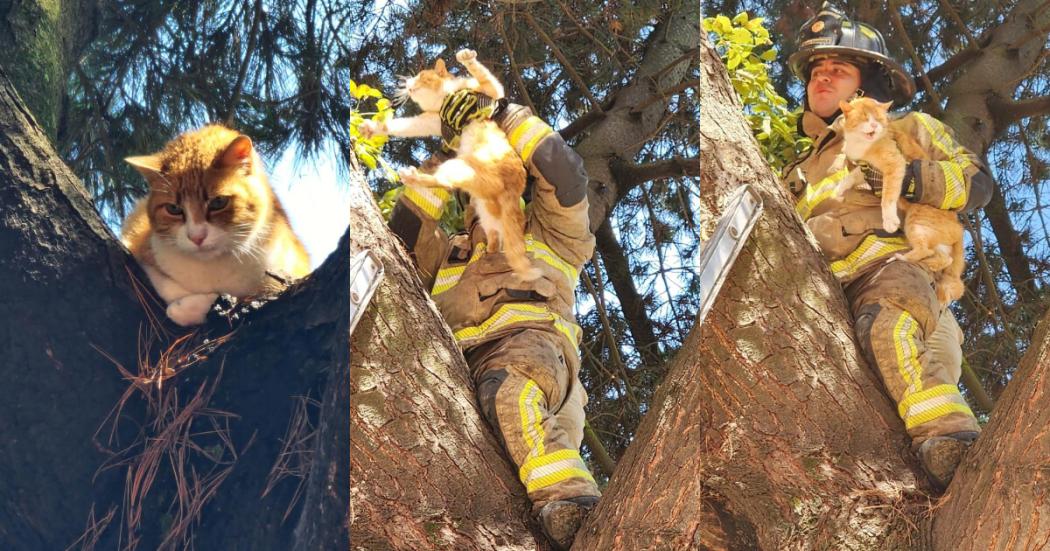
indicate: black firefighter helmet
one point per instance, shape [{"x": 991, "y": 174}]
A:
[{"x": 830, "y": 34}]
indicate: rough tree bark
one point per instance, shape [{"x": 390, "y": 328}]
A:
[
  {"x": 425, "y": 470},
  {"x": 71, "y": 310},
  {"x": 1001, "y": 491},
  {"x": 43, "y": 40},
  {"x": 768, "y": 431}
]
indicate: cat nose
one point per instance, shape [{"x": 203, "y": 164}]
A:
[{"x": 198, "y": 237}]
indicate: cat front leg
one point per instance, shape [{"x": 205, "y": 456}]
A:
[
  {"x": 487, "y": 83},
  {"x": 184, "y": 307},
  {"x": 191, "y": 309},
  {"x": 420, "y": 126},
  {"x": 891, "y": 192},
  {"x": 452, "y": 174}
]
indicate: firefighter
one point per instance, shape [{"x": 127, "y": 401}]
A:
[
  {"x": 519, "y": 338},
  {"x": 902, "y": 330}
]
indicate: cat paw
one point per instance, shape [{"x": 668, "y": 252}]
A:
[
  {"x": 409, "y": 175},
  {"x": 191, "y": 309},
  {"x": 465, "y": 56},
  {"x": 371, "y": 128},
  {"x": 891, "y": 223}
]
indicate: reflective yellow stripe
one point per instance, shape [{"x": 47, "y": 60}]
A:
[
  {"x": 873, "y": 247},
  {"x": 920, "y": 401},
  {"x": 513, "y": 313},
  {"x": 546, "y": 470},
  {"x": 816, "y": 194},
  {"x": 528, "y": 410},
  {"x": 958, "y": 161},
  {"x": 430, "y": 200},
  {"x": 556, "y": 477},
  {"x": 907, "y": 353},
  {"x": 447, "y": 278},
  {"x": 541, "y": 251},
  {"x": 527, "y": 135},
  {"x": 954, "y": 186},
  {"x": 936, "y": 413}
]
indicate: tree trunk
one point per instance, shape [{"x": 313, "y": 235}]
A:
[
  {"x": 72, "y": 311},
  {"x": 998, "y": 498},
  {"x": 972, "y": 109},
  {"x": 621, "y": 133},
  {"x": 618, "y": 272},
  {"x": 43, "y": 41},
  {"x": 425, "y": 469},
  {"x": 769, "y": 430}
]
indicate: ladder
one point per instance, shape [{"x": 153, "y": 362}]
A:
[{"x": 720, "y": 251}]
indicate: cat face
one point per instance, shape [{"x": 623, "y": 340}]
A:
[
  {"x": 208, "y": 195},
  {"x": 864, "y": 118},
  {"x": 429, "y": 88}
]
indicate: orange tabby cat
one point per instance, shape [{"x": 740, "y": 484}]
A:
[
  {"x": 935, "y": 235},
  {"x": 486, "y": 166},
  {"x": 211, "y": 224}
]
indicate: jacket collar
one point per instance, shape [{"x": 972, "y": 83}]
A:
[{"x": 813, "y": 126}]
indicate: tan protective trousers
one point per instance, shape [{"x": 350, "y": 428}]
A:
[
  {"x": 915, "y": 346},
  {"x": 530, "y": 393}
]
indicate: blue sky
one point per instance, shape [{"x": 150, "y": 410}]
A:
[{"x": 317, "y": 202}]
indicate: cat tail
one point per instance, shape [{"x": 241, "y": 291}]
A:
[
  {"x": 513, "y": 240},
  {"x": 949, "y": 285}
]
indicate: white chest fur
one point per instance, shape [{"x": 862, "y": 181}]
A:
[{"x": 223, "y": 274}]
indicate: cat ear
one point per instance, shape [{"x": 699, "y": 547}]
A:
[
  {"x": 147, "y": 165},
  {"x": 237, "y": 154},
  {"x": 886, "y": 106},
  {"x": 846, "y": 108},
  {"x": 439, "y": 66}
]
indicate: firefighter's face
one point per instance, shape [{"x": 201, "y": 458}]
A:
[{"x": 830, "y": 81}]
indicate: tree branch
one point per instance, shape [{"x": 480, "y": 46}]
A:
[
  {"x": 1010, "y": 111},
  {"x": 580, "y": 83},
  {"x": 630, "y": 175},
  {"x": 580, "y": 124},
  {"x": 665, "y": 94},
  {"x": 950, "y": 65},
  {"x": 238, "y": 88},
  {"x": 514, "y": 65}
]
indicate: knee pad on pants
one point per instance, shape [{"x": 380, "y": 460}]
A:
[
  {"x": 862, "y": 327},
  {"x": 488, "y": 387}
]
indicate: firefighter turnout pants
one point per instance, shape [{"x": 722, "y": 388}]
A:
[
  {"x": 530, "y": 393},
  {"x": 915, "y": 346}
]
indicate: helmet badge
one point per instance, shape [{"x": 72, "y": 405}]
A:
[{"x": 817, "y": 26}]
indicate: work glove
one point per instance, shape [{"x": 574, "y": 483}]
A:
[
  {"x": 910, "y": 189},
  {"x": 540, "y": 147}
]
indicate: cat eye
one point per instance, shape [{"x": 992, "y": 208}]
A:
[
  {"x": 173, "y": 209},
  {"x": 218, "y": 203}
]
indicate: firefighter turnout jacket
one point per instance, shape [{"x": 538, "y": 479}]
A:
[
  {"x": 901, "y": 328},
  {"x": 519, "y": 337}
]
